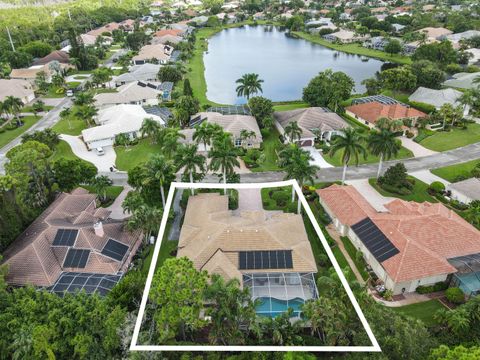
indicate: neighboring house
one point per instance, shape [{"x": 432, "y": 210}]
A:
[
  {"x": 90, "y": 40},
  {"x": 233, "y": 124},
  {"x": 172, "y": 32},
  {"x": 145, "y": 73},
  {"x": 461, "y": 80},
  {"x": 315, "y": 122},
  {"x": 199, "y": 20},
  {"x": 138, "y": 93},
  {"x": 378, "y": 42},
  {"x": 398, "y": 27},
  {"x": 370, "y": 112},
  {"x": 71, "y": 242},
  {"x": 268, "y": 253},
  {"x": 166, "y": 39},
  {"x": 475, "y": 56},
  {"x": 435, "y": 33},
  {"x": 409, "y": 245},
  {"x": 344, "y": 37},
  {"x": 115, "y": 120},
  {"x": 438, "y": 98},
  {"x": 21, "y": 89},
  {"x": 465, "y": 191},
  {"x": 458, "y": 37},
  {"x": 57, "y": 55},
  {"x": 31, "y": 72},
  {"x": 154, "y": 54}
]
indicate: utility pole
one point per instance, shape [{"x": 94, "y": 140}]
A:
[{"x": 10, "y": 38}]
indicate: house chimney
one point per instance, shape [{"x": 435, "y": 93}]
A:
[{"x": 98, "y": 227}]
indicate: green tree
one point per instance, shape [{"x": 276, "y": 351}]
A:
[
  {"x": 177, "y": 294},
  {"x": 248, "y": 85},
  {"x": 37, "y": 49},
  {"x": 443, "y": 352},
  {"x": 399, "y": 79},
  {"x": 38, "y": 106},
  {"x": 70, "y": 173},
  {"x": 246, "y": 135},
  {"x": 146, "y": 218},
  {"x": 223, "y": 156},
  {"x": 161, "y": 171},
  {"x": 150, "y": 128},
  {"x": 122, "y": 139},
  {"x": 205, "y": 132},
  {"x": 101, "y": 184},
  {"x": 383, "y": 144},
  {"x": 293, "y": 132},
  {"x": 187, "y": 105},
  {"x": 441, "y": 53},
  {"x": 262, "y": 109},
  {"x": 187, "y": 88},
  {"x": 86, "y": 112},
  {"x": 350, "y": 143},
  {"x": 13, "y": 106},
  {"x": 47, "y": 137},
  {"x": 169, "y": 73},
  {"x": 188, "y": 158},
  {"x": 428, "y": 74},
  {"x": 393, "y": 47},
  {"x": 169, "y": 139},
  {"x": 83, "y": 98}
]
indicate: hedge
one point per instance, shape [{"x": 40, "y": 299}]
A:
[{"x": 439, "y": 286}]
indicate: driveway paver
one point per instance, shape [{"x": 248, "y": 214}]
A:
[
  {"x": 249, "y": 199},
  {"x": 102, "y": 163},
  {"x": 317, "y": 158},
  {"x": 417, "y": 149},
  {"x": 427, "y": 177}
]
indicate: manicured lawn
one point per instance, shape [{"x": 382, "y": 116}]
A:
[
  {"x": 105, "y": 90},
  {"x": 73, "y": 127},
  {"x": 452, "y": 172},
  {"x": 371, "y": 159},
  {"x": 128, "y": 158},
  {"x": 290, "y": 106},
  {"x": 73, "y": 84},
  {"x": 52, "y": 94},
  {"x": 112, "y": 191},
  {"x": 46, "y": 108},
  {"x": 9, "y": 135},
  {"x": 166, "y": 248},
  {"x": 423, "y": 311},
  {"x": 354, "y": 49},
  {"x": 271, "y": 143},
  {"x": 447, "y": 140},
  {"x": 63, "y": 150},
  {"x": 419, "y": 193},
  {"x": 352, "y": 251},
  {"x": 81, "y": 77}
]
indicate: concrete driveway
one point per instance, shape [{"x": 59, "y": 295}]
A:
[
  {"x": 317, "y": 158},
  {"x": 249, "y": 199},
  {"x": 102, "y": 163},
  {"x": 417, "y": 149},
  {"x": 116, "y": 207},
  {"x": 368, "y": 192},
  {"x": 427, "y": 177}
]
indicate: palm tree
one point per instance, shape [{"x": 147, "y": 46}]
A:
[
  {"x": 83, "y": 98},
  {"x": 169, "y": 140},
  {"x": 101, "y": 184},
  {"x": 188, "y": 158},
  {"x": 147, "y": 218},
  {"x": 14, "y": 105},
  {"x": 385, "y": 123},
  {"x": 383, "y": 144},
  {"x": 205, "y": 132},
  {"x": 249, "y": 84},
  {"x": 350, "y": 142},
  {"x": 150, "y": 128},
  {"x": 65, "y": 114},
  {"x": 246, "y": 135},
  {"x": 122, "y": 139},
  {"x": 87, "y": 112},
  {"x": 162, "y": 170},
  {"x": 293, "y": 131},
  {"x": 223, "y": 156}
]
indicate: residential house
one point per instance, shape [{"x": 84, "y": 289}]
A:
[
  {"x": 457, "y": 38},
  {"x": 377, "y": 42},
  {"x": 173, "y": 32},
  {"x": 474, "y": 56},
  {"x": 31, "y": 72},
  {"x": 18, "y": 88},
  {"x": 460, "y": 80},
  {"x": 73, "y": 245},
  {"x": 137, "y": 93},
  {"x": 435, "y": 33},
  {"x": 410, "y": 245},
  {"x": 116, "y": 120},
  {"x": 465, "y": 191},
  {"x": 166, "y": 39},
  {"x": 398, "y": 28},
  {"x": 315, "y": 123},
  {"x": 199, "y": 21},
  {"x": 438, "y": 98},
  {"x": 90, "y": 40},
  {"x": 144, "y": 73},
  {"x": 344, "y": 37},
  {"x": 268, "y": 253},
  {"x": 159, "y": 54},
  {"x": 57, "y": 55}
]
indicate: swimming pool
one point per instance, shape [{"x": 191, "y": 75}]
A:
[{"x": 273, "y": 307}]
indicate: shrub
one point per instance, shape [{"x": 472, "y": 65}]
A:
[
  {"x": 292, "y": 208},
  {"x": 410, "y": 134},
  {"x": 426, "y": 108},
  {"x": 387, "y": 295},
  {"x": 455, "y": 295},
  {"x": 437, "y": 187},
  {"x": 281, "y": 198},
  {"x": 426, "y": 289}
]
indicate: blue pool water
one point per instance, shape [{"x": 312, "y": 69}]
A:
[{"x": 273, "y": 307}]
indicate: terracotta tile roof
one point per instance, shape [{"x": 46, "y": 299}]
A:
[
  {"x": 174, "y": 32},
  {"x": 56, "y": 55},
  {"x": 32, "y": 259},
  {"x": 426, "y": 234},
  {"x": 212, "y": 236},
  {"x": 372, "y": 111}
]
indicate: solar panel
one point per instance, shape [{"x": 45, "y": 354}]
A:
[
  {"x": 115, "y": 250},
  {"x": 270, "y": 259},
  {"x": 374, "y": 240},
  {"x": 65, "y": 237},
  {"x": 76, "y": 258},
  {"x": 382, "y": 99},
  {"x": 90, "y": 283},
  {"x": 231, "y": 110}
]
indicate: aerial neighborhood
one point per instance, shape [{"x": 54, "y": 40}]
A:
[{"x": 355, "y": 124}]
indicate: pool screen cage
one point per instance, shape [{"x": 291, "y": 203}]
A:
[
  {"x": 467, "y": 277},
  {"x": 289, "y": 288}
]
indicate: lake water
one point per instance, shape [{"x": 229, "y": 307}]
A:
[{"x": 285, "y": 64}]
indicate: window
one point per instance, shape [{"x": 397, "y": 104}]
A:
[{"x": 238, "y": 142}]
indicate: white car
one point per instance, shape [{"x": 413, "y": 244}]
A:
[
  {"x": 100, "y": 151},
  {"x": 69, "y": 93}
]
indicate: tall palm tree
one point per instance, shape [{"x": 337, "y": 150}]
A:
[
  {"x": 169, "y": 139},
  {"x": 83, "y": 98},
  {"x": 87, "y": 112},
  {"x": 101, "y": 184},
  {"x": 383, "y": 144},
  {"x": 14, "y": 105},
  {"x": 145, "y": 217},
  {"x": 162, "y": 170},
  {"x": 223, "y": 156},
  {"x": 249, "y": 84},
  {"x": 188, "y": 158},
  {"x": 65, "y": 114},
  {"x": 293, "y": 131},
  {"x": 351, "y": 145},
  {"x": 205, "y": 132},
  {"x": 150, "y": 128},
  {"x": 246, "y": 135}
]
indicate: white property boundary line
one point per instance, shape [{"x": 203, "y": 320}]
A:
[{"x": 375, "y": 347}]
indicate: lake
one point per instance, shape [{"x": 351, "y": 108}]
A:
[{"x": 284, "y": 63}]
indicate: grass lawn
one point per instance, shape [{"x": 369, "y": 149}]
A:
[
  {"x": 73, "y": 127},
  {"x": 452, "y": 172},
  {"x": 112, "y": 191},
  {"x": 73, "y": 84},
  {"x": 167, "y": 247},
  {"x": 9, "y": 135},
  {"x": 270, "y": 143},
  {"x": 46, "y": 108},
  {"x": 290, "y": 106},
  {"x": 63, "y": 150},
  {"x": 271, "y": 204},
  {"x": 105, "y": 90},
  {"x": 354, "y": 49},
  {"x": 352, "y": 251},
  {"x": 423, "y": 311},
  {"x": 419, "y": 193},
  {"x": 447, "y": 140},
  {"x": 337, "y": 159},
  {"x": 52, "y": 94},
  {"x": 81, "y": 77},
  {"x": 128, "y": 158}
]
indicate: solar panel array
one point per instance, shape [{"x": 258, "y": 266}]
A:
[
  {"x": 65, "y": 237},
  {"x": 76, "y": 258},
  {"x": 382, "y": 99},
  {"x": 231, "y": 110},
  {"x": 269, "y": 259},
  {"x": 375, "y": 240},
  {"x": 75, "y": 281},
  {"x": 115, "y": 250}
]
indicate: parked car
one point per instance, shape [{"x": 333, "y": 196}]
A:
[
  {"x": 100, "y": 151},
  {"x": 69, "y": 93}
]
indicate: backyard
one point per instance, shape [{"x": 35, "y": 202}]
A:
[
  {"x": 423, "y": 311},
  {"x": 448, "y": 140},
  {"x": 419, "y": 191},
  {"x": 453, "y": 172},
  {"x": 270, "y": 144}
]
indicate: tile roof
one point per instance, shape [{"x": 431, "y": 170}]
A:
[
  {"x": 427, "y": 234},
  {"x": 15, "y": 87},
  {"x": 212, "y": 236},
  {"x": 374, "y": 110},
  {"x": 32, "y": 259},
  {"x": 56, "y": 55},
  {"x": 469, "y": 187},
  {"x": 435, "y": 97},
  {"x": 126, "y": 94},
  {"x": 148, "y": 52}
]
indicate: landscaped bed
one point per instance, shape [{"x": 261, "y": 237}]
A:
[
  {"x": 457, "y": 137},
  {"x": 419, "y": 191},
  {"x": 455, "y": 172}
]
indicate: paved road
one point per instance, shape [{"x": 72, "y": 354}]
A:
[{"x": 50, "y": 119}]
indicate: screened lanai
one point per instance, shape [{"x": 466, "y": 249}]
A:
[{"x": 467, "y": 277}]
